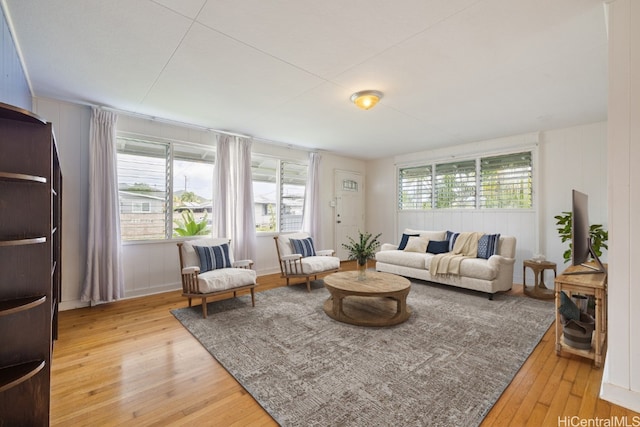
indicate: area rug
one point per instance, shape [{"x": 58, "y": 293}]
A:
[{"x": 445, "y": 366}]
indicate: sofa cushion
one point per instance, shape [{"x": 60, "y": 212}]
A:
[
  {"x": 227, "y": 278},
  {"x": 417, "y": 244},
  {"x": 405, "y": 239},
  {"x": 487, "y": 245},
  {"x": 303, "y": 247},
  {"x": 438, "y": 246},
  {"x": 431, "y": 235},
  {"x": 405, "y": 259},
  {"x": 213, "y": 257},
  {"x": 478, "y": 268}
]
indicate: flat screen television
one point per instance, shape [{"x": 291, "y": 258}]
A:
[{"x": 581, "y": 248}]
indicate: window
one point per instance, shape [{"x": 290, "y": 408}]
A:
[
  {"x": 496, "y": 182},
  {"x": 506, "y": 181},
  {"x": 157, "y": 181},
  {"x": 455, "y": 185},
  {"x": 278, "y": 192},
  {"x": 415, "y": 188}
]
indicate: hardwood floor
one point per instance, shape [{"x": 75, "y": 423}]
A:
[{"x": 132, "y": 363}]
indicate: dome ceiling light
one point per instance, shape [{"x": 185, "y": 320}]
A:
[{"x": 366, "y": 99}]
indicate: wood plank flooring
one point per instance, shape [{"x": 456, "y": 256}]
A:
[{"x": 132, "y": 363}]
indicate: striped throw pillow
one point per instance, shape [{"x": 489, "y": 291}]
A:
[
  {"x": 213, "y": 257},
  {"x": 303, "y": 247}
]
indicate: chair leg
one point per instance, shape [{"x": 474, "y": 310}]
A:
[
  {"x": 308, "y": 284},
  {"x": 204, "y": 307},
  {"x": 189, "y": 301},
  {"x": 234, "y": 294},
  {"x": 253, "y": 298}
]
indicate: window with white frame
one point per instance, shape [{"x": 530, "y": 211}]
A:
[
  {"x": 165, "y": 188},
  {"x": 492, "y": 182},
  {"x": 278, "y": 192}
]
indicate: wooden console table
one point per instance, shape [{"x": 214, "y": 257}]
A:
[{"x": 584, "y": 284}]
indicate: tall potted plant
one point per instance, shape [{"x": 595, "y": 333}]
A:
[{"x": 362, "y": 250}]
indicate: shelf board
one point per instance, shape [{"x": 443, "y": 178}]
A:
[
  {"x": 20, "y": 242},
  {"x": 20, "y": 304},
  {"x": 11, "y": 376},
  {"x": 10, "y": 176}
]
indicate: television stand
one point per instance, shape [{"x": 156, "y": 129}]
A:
[{"x": 590, "y": 284}]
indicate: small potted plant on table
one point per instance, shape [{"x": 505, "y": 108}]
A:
[{"x": 362, "y": 250}]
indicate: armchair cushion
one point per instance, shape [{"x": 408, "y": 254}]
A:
[
  {"x": 319, "y": 264},
  {"x": 213, "y": 257},
  {"x": 303, "y": 247},
  {"x": 223, "y": 279}
]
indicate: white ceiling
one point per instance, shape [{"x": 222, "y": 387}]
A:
[{"x": 452, "y": 71}]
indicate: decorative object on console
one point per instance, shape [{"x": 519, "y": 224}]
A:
[{"x": 364, "y": 249}]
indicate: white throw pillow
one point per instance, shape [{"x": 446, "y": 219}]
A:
[{"x": 417, "y": 244}]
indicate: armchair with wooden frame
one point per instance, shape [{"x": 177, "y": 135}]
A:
[
  {"x": 298, "y": 258},
  {"x": 218, "y": 275}
]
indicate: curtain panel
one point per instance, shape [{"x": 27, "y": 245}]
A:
[
  {"x": 104, "y": 279},
  {"x": 234, "y": 215},
  {"x": 311, "y": 213}
]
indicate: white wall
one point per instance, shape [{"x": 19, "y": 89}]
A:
[
  {"x": 621, "y": 377},
  {"x": 564, "y": 159},
  {"x": 152, "y": 267},
  {"x": 71, "y": 128},
  {"x": 14, "y": 89}
]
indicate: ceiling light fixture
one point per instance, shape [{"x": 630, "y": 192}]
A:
[{"x": 366, "y": 99}]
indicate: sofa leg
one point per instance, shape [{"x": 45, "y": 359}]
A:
[{"x": 490, "y": 297}]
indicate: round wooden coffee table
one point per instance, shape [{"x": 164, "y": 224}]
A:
[{"x": 378, "y": 300}]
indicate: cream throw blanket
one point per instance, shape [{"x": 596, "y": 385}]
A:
[{"x": 466, "y": 246}]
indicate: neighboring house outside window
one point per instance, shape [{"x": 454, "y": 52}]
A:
[
  {"x": 158, "y": 180},
  {"x": 492, "y": 182}
]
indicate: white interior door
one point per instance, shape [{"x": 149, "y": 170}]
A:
[{"x": 349, "y": 208}]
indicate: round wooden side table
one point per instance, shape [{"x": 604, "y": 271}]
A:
[{"x": 539, "y": 289}]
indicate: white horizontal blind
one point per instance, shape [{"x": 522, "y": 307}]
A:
[
  {"x": 142, "y": 188},
  {"x": 415, "y": 188},
  {"x": 278, "y": 191},
  {"x": 455, "y": 185},
  {"x": 292, "y": 188},
  {"x": 506, "y": 181}
]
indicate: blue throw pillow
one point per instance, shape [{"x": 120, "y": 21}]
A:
[
  {"x": 451, "y": 237},
  {"x": 303, "y": 247},
  {"x": 213, "y": 257},
  {"x": 438, "y": 246},
  {"x": 405, "y": 240},
  {"x": 488, "y": 245}
]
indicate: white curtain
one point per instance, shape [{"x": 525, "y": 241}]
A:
[
  {"x": 233, "y": 195},
  {"x": 104, "y": 278},
  {"x": 311, "y": 218}
]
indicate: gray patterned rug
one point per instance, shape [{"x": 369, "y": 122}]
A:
[{"x": 446, "y": 366}]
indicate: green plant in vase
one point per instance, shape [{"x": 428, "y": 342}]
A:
[
  {"x": 599, "y": 236},
  {"x": 362, "y": 250}
]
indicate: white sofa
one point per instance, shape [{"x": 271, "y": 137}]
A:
[{"x": 490, "y": 275}]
